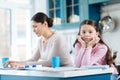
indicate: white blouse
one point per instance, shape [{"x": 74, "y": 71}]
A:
[{"x": 55, "y": 46}]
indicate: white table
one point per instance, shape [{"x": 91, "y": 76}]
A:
[{"x": 82, "y": 74}]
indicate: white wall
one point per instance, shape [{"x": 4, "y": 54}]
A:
[
  {"x": 113, "y": 38},
  {"x": 40, "y": 6}
]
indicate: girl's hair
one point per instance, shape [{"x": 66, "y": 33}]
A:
[
  {"x": 108, "y": 57},
  {"x": 41, "y": 17}
]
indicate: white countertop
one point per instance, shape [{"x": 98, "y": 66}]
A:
[{"x": 56, "y": 73}]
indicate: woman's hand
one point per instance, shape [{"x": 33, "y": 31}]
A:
[
  {"x": 14, "y": 64},
  {"x": 93, "y": 42},
  {"x": 81, "y": 41}
]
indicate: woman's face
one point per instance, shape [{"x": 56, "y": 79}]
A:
[
  {"x": 88, "y": 32},
  {"x": 38, "y": 28}
]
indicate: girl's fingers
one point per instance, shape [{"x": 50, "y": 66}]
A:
[{"x": 97, "y": 39}]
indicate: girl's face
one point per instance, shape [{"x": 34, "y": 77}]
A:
[
  {"x": 88, "y": 32},
  {"x": 38, "y": 28}
]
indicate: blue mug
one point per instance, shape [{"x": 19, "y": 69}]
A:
[
  {"x": 4, "y": 59},
  {"x": 55, "y": 61}
]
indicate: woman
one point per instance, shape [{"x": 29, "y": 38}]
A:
[{"x": 51, "y": 43}]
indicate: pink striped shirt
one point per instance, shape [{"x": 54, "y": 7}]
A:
[{"x": 91, "y": 56}]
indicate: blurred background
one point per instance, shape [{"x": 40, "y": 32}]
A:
[{"x": 18, "y": 41}]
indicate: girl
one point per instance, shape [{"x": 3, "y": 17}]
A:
[
  {"x": 50, "y": 43},
  {"x": 90, "y": 48}
]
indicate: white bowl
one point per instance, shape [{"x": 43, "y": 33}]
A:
[
  {"x": 74, "y": 18},
  {"x": 56, "y": 20}
]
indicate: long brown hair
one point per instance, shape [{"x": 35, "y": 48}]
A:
[{"x": 108, "y": 57}]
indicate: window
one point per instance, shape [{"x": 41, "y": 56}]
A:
[
  {"x": 18, "y": 1},
  {"x": 22, "y": 33},
  {"x": 4, "y": 32},
  {"x": 16, "y": 28}
]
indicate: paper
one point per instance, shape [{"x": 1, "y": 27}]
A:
[
  {"x": 96, "y": 67},
  {"x": 59, "y": 69}
]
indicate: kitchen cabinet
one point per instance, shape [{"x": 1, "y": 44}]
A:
[
  {"x": 97, "y": 1},
  {"x": 69, "y": 13}
]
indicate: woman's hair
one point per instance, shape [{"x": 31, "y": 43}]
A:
[
  {"x": 108, "y": 57},
  {"x": 41, "y": 17}
]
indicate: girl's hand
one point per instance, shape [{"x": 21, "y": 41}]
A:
[
  {"x": 81, "y": 41},
  {"x": 93, "y": 42}
]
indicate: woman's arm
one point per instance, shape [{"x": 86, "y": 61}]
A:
[{"x": 17, "y": 64}]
